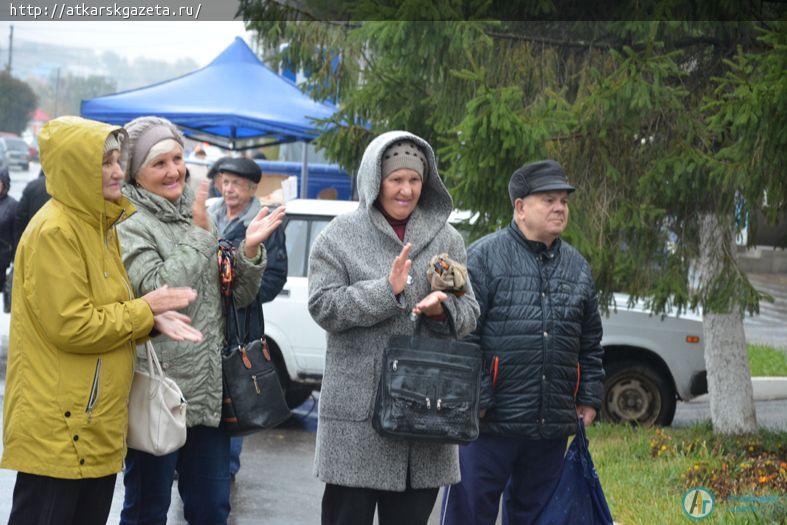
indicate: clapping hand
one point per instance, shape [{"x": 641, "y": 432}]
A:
[
  {"x": 263, "y": 225},
  {"x": 165, "y": 298},
  {"x": 199, "y": 210},
  {"x": 400, "y": 270},
  {"x": 177, "y": 327}
]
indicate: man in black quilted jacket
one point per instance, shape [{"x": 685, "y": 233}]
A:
[{"x": 540, "y": 331}]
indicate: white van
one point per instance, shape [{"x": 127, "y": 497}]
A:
[{"x": 650, "y": 361}]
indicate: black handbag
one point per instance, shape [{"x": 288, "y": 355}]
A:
[
  {"x": 253, "y": 399},
  {"x": 429, "y": 389}
]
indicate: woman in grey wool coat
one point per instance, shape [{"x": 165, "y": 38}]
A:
[{"x": 367, "y": 272}]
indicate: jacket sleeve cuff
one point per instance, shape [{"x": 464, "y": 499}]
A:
[
  {"x": 399, "y": 299},
  {"x": 260, "y": 258},
  {"x": 590, "y": 395},
  {"x": 141, "y": 318}
]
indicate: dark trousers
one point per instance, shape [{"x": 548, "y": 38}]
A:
[
  {"x": 41, "y": 500},
  {"x": 528, "y": 470},
  {"x": 355, "y": 506},
  {"x": 203, "y": 466}
]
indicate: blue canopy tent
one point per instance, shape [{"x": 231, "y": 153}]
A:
[{"x": 235, "y": 102}]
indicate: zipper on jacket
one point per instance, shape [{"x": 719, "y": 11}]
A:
[
  {"x": 106, "y": 232},
  {"x": 94, "y": 391},
  {"x": 540, "y": 262}
]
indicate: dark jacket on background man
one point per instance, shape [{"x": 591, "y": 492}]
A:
[
  {"x": 33, "y": 197},
  {"x": 275, "y": 275},
  {"x": 540, "y": 319},
  {"x": 8, "y": 206}
]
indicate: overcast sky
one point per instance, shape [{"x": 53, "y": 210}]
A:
[{"x": 201, "y": 41}]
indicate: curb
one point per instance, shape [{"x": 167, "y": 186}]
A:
[
  {"x": 764, "y": 388},
  {"x": 768, "y": 388}
]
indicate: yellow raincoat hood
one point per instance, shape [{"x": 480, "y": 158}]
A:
[
  {"x": 74, "y": 319},
  {"x": 72, "y": 151}
]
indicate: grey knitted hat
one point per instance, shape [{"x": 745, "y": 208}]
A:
[
  {"x": 404, "y": 154},
  {"x": 143, "y": 134}
]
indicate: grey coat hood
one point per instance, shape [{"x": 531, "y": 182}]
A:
[{"x": 434, "y": 206}]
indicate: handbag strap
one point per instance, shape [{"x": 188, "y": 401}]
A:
[
  {"x": 226, "y": 260},
  {"x": 153, "y": 363},
  {"x": 154, "y": 369},
  {"x": 232, "y": 328}
]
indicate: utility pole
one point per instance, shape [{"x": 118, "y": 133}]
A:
[
  {"x": 57, "y": 92},
  {"x": 10, "y": 50}
]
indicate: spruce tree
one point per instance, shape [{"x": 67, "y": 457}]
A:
[{"x": 673, "y": 133}]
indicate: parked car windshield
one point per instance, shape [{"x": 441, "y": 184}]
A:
[
  {"x": 300, "y": 233},
  {"x": 16, "y": 144}
]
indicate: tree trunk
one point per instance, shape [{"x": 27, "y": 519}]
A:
[{"x": 726, "y": 358}]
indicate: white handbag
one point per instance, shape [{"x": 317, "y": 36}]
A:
[{"x": 156, "y": 410}]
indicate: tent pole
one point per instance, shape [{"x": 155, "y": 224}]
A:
[{"x": 305, "y": 171}]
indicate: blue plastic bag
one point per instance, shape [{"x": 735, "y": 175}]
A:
[{"x": 578, "y": 498}]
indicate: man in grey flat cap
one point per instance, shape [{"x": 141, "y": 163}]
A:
[{"x": 540, "y": 332}]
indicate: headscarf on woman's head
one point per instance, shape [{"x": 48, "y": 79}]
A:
[
  {"x": 114, "y": 142},
  {"x": 147, "y": 138}
]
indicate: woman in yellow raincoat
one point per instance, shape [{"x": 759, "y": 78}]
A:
[{"x": 74, "y": 324}]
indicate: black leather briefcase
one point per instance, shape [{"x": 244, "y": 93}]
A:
[{"x": 429, "y": 389}]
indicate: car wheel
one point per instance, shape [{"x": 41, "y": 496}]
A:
[
  {"x": 294, "y": 393},
  {"x": 638, "y": 394}
]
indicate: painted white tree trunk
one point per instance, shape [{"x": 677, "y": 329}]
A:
[{"x": 726, "y": 358}]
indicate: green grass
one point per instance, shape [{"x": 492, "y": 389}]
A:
[
  {"x": 767, "y": 361},
  {"x": 645, "y": 472}
]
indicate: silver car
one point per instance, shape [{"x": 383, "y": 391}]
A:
[
  {"x": 17, "y": 152},
  {"x": 3, "y": 157}
]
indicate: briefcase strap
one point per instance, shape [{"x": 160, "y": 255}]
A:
[{"x": 420, "y": 322}]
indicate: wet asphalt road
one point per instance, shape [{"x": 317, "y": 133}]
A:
[{"x": 275, "y": 485}]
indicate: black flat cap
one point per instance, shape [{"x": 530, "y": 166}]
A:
[
  {"x": 246, "y": 168},
  {"x": 537, "y": 177},
  {"x": 214, "y": 170}
]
